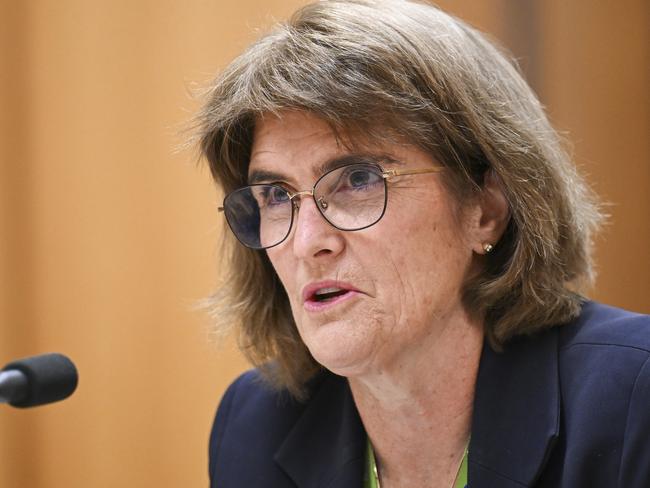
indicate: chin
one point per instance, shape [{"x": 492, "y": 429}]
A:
[
  {"x": 341, "y": 354},
  {"x": 345, "y": 367}
]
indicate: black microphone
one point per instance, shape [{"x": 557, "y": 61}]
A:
[{"x": 37, "y": 380}]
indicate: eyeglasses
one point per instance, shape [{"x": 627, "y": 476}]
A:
[{"x": 351, "y": 197}]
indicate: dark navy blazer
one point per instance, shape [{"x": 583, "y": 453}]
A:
[{"x": 568, "y": 408}]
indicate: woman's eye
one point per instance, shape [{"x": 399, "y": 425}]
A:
[
  {"x": 277, "y": 196},
  {"x": 269, "y": 196},
  {"x": 362, "y": 178}
]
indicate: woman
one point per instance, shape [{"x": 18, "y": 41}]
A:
[{"x": 412, "y": 241}]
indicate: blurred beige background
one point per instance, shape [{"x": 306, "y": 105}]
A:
[{"x": 108, "y": 236}]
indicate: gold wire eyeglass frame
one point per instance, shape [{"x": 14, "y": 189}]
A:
[{"x": 386, "y": 174}]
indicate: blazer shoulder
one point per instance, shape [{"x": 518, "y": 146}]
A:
[
  {"x": 249, "y": 403},
  {"x": 604, "y": 366},
  {"x": 252, "y": 420},
  {"x": 603, "y": 325}
]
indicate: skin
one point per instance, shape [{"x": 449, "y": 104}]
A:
[{"x": 405, "y": 342}]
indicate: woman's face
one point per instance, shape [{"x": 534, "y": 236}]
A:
[{"x": 394, "y": 287}]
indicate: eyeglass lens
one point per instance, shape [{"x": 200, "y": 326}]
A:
[{"x": 350, "y": 198}]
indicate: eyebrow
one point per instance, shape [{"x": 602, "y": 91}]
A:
[{"x": 265, "y": 176}]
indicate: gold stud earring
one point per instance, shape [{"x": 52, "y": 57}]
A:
[{"x": 487, "y": 247}]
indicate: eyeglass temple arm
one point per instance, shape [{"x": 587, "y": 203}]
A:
[{"x": 389, "y": 173}]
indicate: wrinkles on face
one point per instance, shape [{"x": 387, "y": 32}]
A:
[{"x": 408, "y": 267}]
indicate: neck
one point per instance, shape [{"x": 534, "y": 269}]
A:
[{"x": 417, "y": 410}]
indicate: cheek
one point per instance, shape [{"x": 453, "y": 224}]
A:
[
  {"x": 281, "y": 262},
  {"x": 428, "y": 258}
]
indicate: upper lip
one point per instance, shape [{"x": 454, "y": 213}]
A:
[{"x": 310, "y": 290}]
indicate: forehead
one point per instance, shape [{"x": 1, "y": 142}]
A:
[
  {"x": 300, "y": 144},
  {"x": 291, "y": 140}
]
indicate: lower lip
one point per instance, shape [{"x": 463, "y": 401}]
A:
[{"x": 315, "y": 306}]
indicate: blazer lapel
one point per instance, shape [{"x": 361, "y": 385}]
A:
[
  {"x": 515, "y": 424},
  {"x": 326, "y": 446},
  {"x": 516, "y": 413}
]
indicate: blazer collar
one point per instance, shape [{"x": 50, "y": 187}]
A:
[
  {"x": 326, "y": 446},
  {"x": 515, "y": 424},
  {"x": 516, "y": 417}
]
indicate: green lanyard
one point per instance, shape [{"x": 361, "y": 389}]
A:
[{"x": 371, "y": 478}]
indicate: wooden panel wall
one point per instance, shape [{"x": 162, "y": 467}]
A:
[{"x": 108, "y": 235}]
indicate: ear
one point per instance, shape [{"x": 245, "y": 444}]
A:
[{"x": 492, "y": 215}]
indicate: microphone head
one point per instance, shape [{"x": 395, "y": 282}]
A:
[{"x": 50, "y": 378}]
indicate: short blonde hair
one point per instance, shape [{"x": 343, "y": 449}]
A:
[{"x": 375, "y": 67}]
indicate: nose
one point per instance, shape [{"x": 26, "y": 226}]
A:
[{"x": 313, "y": 236}]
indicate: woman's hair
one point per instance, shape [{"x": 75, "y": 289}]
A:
[{"x": 410, "y": 71}]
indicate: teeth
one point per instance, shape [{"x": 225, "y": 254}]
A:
[{"x": 324, "y": 291}]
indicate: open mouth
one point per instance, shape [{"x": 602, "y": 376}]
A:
[
  {"x": 324, "y": 295},
  {"x": 328, "y": 294}
]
